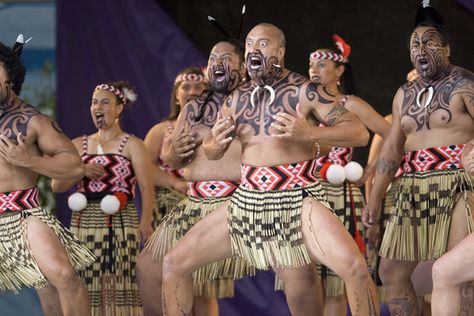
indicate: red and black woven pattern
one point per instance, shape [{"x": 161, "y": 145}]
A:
[
  {"x": 337, "y": 155},
  {"x": 282, "y": 177},
  {"x": 118, "y": 177},
  {"x": 211, "y": 189},
  {"x": 19, "y": 200},
  {"x": 436, "y": 158}
]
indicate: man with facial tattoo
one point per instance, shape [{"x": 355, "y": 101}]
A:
[
  {"x": 210, "y": 184},
  {"x": 278, "y": 216},
  {"x": 36, "y": 250},
  {"x": 432, "y": 125}
]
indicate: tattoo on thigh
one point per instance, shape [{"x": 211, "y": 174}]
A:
[
  {"x": 386, "y": 166},
  {"x": 370, "y": 301},
  {"x": 403, "y": 306},
  {"x": 467, "y": 303}
]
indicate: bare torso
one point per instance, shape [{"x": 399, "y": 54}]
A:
[
  {"x": 13, "y": 121},
  {"x": 446, "y": 120},
  {"x": 259, "y": 147},
  {"x": 200, "y": 168}
]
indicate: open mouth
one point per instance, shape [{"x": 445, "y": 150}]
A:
[
  {"x": 219, "y": 75},
  {"x": 423, "y": 63},
  {"x": 255, "y": 63},
  {"x": 316, "y": 78},
  {"x": 100, "y": 119}
]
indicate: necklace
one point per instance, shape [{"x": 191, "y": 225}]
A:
[
  {"x": 100, "y": 147},
  {"x": 268, "y": 88},
  {"x": 430, "y": 91}
]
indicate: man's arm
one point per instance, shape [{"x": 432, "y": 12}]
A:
[
  {"x": 60, "y": 159},
  {"x": 467, "y": 92},
  {"x": 65, "y": 184},
  {"x": 387, "y": 164},
  {"x": 343, "y": 129}
]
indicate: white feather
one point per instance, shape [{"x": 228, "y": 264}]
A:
[
  {"x": 426, "y": 3},
  {"x": 129, "y": 95},
  {"x": 210, "y": 18},
  {"x": 243, "y": 9},
  {"x": 20, "y": 39}
]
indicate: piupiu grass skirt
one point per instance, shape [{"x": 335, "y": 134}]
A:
[
  {"x": 347, "y": 202},
  {"x": 115, "y": 243},
  {"x": 18, "y": 266},
  {"x": 265, "y": 226},
  {"x": 213, "y": 280},
  {"x": 166, "y": 199},
  {"x": 418, "y": 226}
]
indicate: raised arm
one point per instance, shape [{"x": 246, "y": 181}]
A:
[
  {"x": 63, "y": 185},
  {"x": 368, "y": 116},
  {"x": 142, "y": 165},
  {"x": 343, "y": 129},
  {"x": 60, "y": 159},
  {"x": 387, "y": 164},
  {"x": 222, "y": 134},
  {"x": 467, "y": 92}
]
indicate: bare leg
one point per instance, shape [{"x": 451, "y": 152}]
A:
[
  {"x": 49, "y": 299},
  {"x": 55, "y": 265},
  {"x": 422, "y": 284},
  {"x": 450, "y": 272},
  {"x": 303, "y": 290},
  {"x": 149, "y": 278},
  {"x": 329, "y": 241},
  {"x": 401, "y": 297},
  {"x": 205, "y": 306},
  {"x": 205, "y": 242},
  {"x": 335, "y": 305}
]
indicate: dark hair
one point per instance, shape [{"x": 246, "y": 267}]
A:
[
  {"x": 347, "y": 80},
  {"x": 121, "y": 85},
  {"x": 175, "y": 108},
  {"x": 14, "y": 67}
]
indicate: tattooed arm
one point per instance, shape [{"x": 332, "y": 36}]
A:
[
  {"x": 368, "y": 116},
  {"x": 221, "y": 135},
  {"x": 60, "y": 159},
  {"x": 63, "y": 185},
  {"x": 467, "y": 157},
  {"x": 387, "y": 164},
  {"x": 343, "y": 129}
]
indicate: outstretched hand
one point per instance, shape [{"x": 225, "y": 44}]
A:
[
  {"x": 15, "y": 154},
  {"x": 289, "y": 126}
]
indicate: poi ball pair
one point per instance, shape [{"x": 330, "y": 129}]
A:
[
  {"x": 110, "y": 204},
  {"x": 337, "y": 174}
]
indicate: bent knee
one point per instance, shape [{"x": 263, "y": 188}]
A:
[
  {"x": 63, "y": 277},
  {"x": 442, "y": 273},
  {"x": 176, "y": 262},
  {"x": 356, "y": 269}
]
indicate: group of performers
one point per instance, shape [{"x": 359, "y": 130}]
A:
[{"x": 250, "y": 171}]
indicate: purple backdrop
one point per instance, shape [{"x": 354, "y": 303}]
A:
[{"x": 100, "y": 41}]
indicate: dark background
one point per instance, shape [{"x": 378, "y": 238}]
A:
[{"x": 378, "y": 32}]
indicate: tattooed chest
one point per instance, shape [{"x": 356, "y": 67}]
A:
[
  {"x": 425, "y": 109},
  {"x": 15, "y": 121},
  {"x": 255, "y": 111}
]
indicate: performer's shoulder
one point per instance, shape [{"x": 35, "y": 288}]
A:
[
  {"x": 297, "y": 79},
  {"x": 461, "y": 75}
]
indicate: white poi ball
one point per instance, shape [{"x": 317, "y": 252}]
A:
[
  {"x": 110, "y": 204},
  {"x": 77, "y": 202},
  {"x": 354, "y": 171},
  {"x": 336, "y": 174}
]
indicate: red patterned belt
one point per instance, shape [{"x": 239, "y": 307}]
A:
[
  {"x": 282, "y": 177},
  {"x": 211, "y": 189},
  {"x": 436, "y": 158},
  {"x": 19, "y": 200}
]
